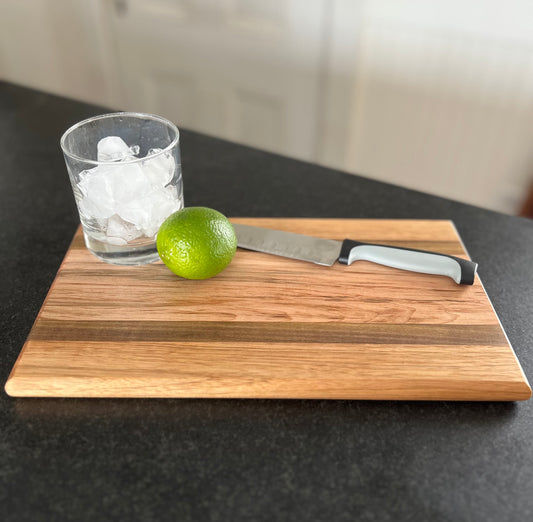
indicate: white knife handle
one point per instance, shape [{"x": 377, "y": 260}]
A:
[{"x": 460, "y": 270}]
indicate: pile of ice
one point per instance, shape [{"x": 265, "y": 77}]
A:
[{"x": 128, "y": 200}]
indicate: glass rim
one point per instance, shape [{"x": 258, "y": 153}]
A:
[{"x": 138, "y": 115}]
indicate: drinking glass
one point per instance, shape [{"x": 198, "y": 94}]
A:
[{"x": 125, "y": 172}]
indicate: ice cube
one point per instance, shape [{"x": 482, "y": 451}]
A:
[
  {"x": 119, "y": 232},
  {"x": 148, "y": 212},
  {"x": 127, "y": 182},
  {"x": 114, "y": 148},
  {"x": 159, "y": 168},
  {"x": 165, "y": 203},
  {"x": 97, "y": 201},
  {"x": 137, "y": 212},
  {"x": 107, "y": 188}
]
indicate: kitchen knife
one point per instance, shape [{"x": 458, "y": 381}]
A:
[{"x": 327, "y": 251}]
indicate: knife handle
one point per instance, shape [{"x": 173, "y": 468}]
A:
[{"x": 460, "y": 270}]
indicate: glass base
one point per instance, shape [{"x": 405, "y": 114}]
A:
[{"x": 127, "y": 255}]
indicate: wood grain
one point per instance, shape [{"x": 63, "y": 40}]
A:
[{"x": 272, "y": 327}]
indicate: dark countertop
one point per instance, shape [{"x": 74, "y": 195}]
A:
[{"x": 233, "y": 460}]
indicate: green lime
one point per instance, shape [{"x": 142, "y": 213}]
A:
[{"x": 196, "y": 242}]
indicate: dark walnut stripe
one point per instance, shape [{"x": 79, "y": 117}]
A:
[{"x": 214, "y": 331}]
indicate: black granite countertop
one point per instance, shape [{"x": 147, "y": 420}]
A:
[{"x": 235, "y": 460}]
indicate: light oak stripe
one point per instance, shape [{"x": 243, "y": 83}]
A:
[{"x": 443, "y": 247}]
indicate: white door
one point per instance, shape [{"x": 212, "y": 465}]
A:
[{"x": 246, "y": 70}]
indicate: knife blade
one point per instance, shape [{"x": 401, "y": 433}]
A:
[{"x": 328, "y": 251}]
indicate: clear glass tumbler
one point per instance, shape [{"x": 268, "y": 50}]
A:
[{"x": 125, "y": 171}]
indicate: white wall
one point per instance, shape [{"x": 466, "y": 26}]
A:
[
  {"x": 432, "y": 95},
  {"x": 444, "y": 98},
  {"x": 56, "y": 46}
]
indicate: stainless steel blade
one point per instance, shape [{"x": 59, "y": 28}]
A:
[{"x": 288, "y": 244}]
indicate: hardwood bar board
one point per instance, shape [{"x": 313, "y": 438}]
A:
[{"x": 269, "y": 327}]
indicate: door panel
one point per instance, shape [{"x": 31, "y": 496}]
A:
[{"x": 246, "y": 70}]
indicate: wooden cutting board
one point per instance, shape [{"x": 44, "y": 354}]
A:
[{"x": 272, "y": 327}]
